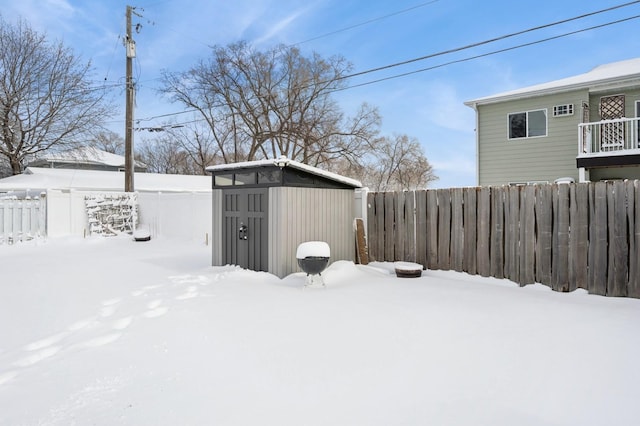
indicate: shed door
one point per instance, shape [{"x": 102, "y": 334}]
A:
[{"x": 244, "y": 228}]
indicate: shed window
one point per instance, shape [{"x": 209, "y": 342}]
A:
[
  {"x": 269, "y": 176},
  {"x": 245, "y": 179},
  {"x": 528, "y": 124},
  {"x": 223, "y": 180}
]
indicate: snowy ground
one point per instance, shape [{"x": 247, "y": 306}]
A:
[{"x": 118, "y": 332}]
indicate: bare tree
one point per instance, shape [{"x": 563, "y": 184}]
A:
[
  {"x": 197, "y": 142},
  {"x": 108, "y": 141},
  {"x": 278, "y": 102},
  {"x": 395, "y": 164},
  {"x": 46, "y": 97}
]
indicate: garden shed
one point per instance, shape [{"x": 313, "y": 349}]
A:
[{"x": 262, "y": 211}]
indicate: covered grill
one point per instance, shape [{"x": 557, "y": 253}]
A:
[{"x": 313, "y": 258}]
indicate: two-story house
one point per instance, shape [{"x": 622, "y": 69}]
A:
[{"x": 585, "y": 127}]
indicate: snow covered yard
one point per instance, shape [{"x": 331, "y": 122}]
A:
[{"x": 117, "y": 332}]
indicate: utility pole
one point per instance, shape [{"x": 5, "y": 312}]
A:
[{"x": 130, "y": 48}]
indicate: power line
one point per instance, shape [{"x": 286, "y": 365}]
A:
[
  {"x": 504, "y": 37},
  {"x": 449, "y": 51},
  {"x": 380, "y": 18},
  {"x": 489, "y": 53}
]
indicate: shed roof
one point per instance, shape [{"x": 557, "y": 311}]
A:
[
  {"x": 284, "y": 162},
  {"x": 35, "y": 178},
  {"x": 613, "y": 75}
]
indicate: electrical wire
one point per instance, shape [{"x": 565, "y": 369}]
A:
[
  {"x": 488, "y": 53},
  {"x": 365, "y": 23},
  {"x": 492, "y": 40},
  {"x": 458, "y": 50}
]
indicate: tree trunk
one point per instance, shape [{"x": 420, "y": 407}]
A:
[{"x": 16, "y": 167}]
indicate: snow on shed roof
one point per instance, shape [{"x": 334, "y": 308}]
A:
[
  {"x": 35, "y": 178},
  {"x": 603, "y": 76},
  {"x": 286, "y": 162}
]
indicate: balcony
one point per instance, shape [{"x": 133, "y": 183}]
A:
[{"x": 609, "y": 143}]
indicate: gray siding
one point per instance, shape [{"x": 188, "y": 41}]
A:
[
  {"x": 502, "y": 161},
  {"x": 631, "y": 96},
  {"x": 216, "y": 228},
  {"x": 297, "y": 215}
]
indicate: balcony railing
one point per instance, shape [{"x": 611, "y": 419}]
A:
[{"x": 609, "y": 137}]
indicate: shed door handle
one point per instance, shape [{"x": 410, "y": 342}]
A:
[{"x": 242, "y": 232}]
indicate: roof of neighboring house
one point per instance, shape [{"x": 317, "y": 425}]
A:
[
  {"x": 603, "y": 77},
  {"x": 285, "y": 162},
  {"x": 35, "y": 178},
  {"x": 83, "y": 155}
]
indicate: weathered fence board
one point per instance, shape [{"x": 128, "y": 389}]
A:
[
  {"x": 444, "y": 228},
  {"x": 410, "y": 227},
  {"x": 421, "y": 227},
  {"x": 560, "y": 241},
  {"x": 527, "y": 235},
  {"x": 565, "y": 236},
  {"x": 634, "y": 237},
  {"x": 470, "y": 230},
  {"x": 620, "y": 246},
  {"x": 512, "y": 234},
  {"x": 457, "y": 230},
  {"x": 579, "y": 236},
  {"x": 389, "y": 226},
  {"x": 484, "y": 227},
  {"x": 544, "y": 218},
  {"x": 496, "y": 251},
  {"x": 432, "y": 230}
]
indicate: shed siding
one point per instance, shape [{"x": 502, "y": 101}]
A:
[
  {"x": 503, "y": 161},
  {"x": 297, "y": 215},
  {"x": 216, "y": 228}
]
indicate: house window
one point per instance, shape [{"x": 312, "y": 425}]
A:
[
  {"x": 528, "y": 124},
  {"x": 562, "y": 110}
]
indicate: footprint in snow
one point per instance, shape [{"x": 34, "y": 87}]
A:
[
  {"x": 157, "y": 312},
  {"x": 122, "y": 323},
  {"x": 101, "y": 341},
  {"x": 43, "y": 343},
  {"x": 7, "y": 376},
  {"x": 37, "y": 357},
  {"x": 109, "y": 307},
  {"x": 191, "y": 292}
]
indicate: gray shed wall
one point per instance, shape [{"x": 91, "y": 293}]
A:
[
  {"x": 297, "y": 215},
  {"x": 216, "y": 228}
]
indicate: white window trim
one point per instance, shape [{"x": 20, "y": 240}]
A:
[
  {"x": 546, "y": 124},
  {"x": 563, "y": 107}
]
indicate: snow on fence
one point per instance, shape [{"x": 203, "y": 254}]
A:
[
  {"x": 566, "y": 236},
  {"x": 22, "y": 219},
  {"x": 112, "y": 214}
]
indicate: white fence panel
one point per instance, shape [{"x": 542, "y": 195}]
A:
[
  {"x": 22, "y": 220},
  {"x": 64, "y": 213},
  {"x": 181, "y": 215}
]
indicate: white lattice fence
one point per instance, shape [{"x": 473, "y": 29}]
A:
[
  {"x": 22, "y": 219},
  {"x": 112, "y": 214}
]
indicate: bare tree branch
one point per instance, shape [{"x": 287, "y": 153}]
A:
[{"x": 46, "y": 98}]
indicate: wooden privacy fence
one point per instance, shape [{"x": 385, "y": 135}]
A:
[
  {"x": 22, "y": 220},
  {"x": 566, "y": 236}
]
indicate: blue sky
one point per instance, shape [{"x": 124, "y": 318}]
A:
[{"x": 427, "y": 105}]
